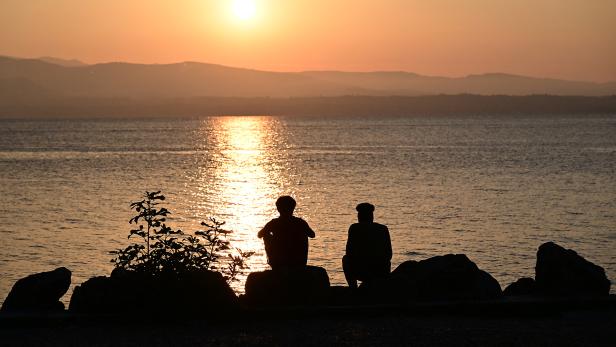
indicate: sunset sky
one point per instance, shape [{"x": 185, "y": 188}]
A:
[{"x": 569, "y": 39}]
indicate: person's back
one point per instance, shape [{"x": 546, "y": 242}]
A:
[
  {"x": 286, "y": 237},
  {"x": 369, "y": 241},
  {"x": 286, "y": 242},
  {"x": 368, "y": 249}
]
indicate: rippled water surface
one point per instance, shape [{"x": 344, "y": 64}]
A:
[{"x": 494, "y": 188}]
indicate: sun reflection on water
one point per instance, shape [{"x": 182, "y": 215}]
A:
[{"x": 247, "y": 179}]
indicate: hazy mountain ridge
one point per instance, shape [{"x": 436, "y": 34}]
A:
[
  {"x": 484, "y": 84},
  {"x": 166, "y": 80},
  {"x": 62, "y": 62},
  {"x": 191, "y": 79}
]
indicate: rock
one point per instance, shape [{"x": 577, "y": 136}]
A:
[
  {"x": 39, "y": 292},
  {"x": 275, "y": 288},
  {"x": 448, "y": 277},
  {"x": 561, "y": 271},
  {"x": 523, "y": 286},
  {"x": 93, "y": 296},
  {"x": 343, "y": 296},
  {"x": 191, "y": 293}
]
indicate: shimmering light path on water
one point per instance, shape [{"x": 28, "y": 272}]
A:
[{"x": 491, "y": 187}]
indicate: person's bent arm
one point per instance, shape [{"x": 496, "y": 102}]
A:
[
  {"x": 263, "y": 231},
  {"x": 388, "y": 244},
  {"x": 309, "y": 232},
  {"x": 349, "y": 244}
]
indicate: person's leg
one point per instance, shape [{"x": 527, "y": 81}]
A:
[
  {"x": 270, "y": 252},
  {"x": 347, "y": 266},
  {"x": 373, "y": 271},
  {"x": 381, "y": 270}
]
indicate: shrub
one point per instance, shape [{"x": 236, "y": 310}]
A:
[{"x": 162, "y": 249}]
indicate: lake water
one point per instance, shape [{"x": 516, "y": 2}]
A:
[{"x": 494, "y": 188}]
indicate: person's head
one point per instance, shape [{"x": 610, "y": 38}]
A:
[
  {"x": 365, "y": 212},
  {"x": 285, "y": 205}
]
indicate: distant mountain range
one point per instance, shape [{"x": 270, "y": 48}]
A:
[
  {"x": 63, "y": 62},
  {"x": 23, "y": 80}
]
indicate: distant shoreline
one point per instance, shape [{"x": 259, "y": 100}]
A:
[{"x": 396, "y": 106}]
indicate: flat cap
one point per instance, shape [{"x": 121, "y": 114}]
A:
[{"x": 365, "y": 207}]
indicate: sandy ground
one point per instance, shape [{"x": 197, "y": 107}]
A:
[{"x": 572, "y": 328}]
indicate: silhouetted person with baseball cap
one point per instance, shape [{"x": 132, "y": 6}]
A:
[
  {"x": 368, "y": 248},
  {"x": 286, "y": 237}
]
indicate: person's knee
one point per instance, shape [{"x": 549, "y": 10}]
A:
[
  {"x": 346, "y": 263},
  {"x": 350, "y": 268}
]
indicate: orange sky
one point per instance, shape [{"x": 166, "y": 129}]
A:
[{"x": 571, "y": 39}]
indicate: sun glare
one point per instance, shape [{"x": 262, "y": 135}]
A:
[{"x": 244, "y": 9}]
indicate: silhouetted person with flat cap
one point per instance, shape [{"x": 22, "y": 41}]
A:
[
  {"x": 286, "y": 237},
  {"x": 368, "y": 248}
]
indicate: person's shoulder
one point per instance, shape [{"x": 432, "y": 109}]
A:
[
  {"x": 272, "y": 223},
  {"x": 380, "y": 227},
  {"x": 299, "y": 220},
  {"x": 355, "y": 228}
]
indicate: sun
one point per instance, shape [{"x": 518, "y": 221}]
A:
[{"x": 244, "y": 9}]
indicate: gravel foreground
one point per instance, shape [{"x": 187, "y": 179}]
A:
[{"x": 572, "y": 328}]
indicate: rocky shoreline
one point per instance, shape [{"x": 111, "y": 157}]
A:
[{"x": 443, "y": 285}]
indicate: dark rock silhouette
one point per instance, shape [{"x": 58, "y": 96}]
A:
[
  {"x": 447, "y": 277},
  {"x": 368, "y": 248},
  {"x": 39, "y": 292},
  {"x": 523, "y": 286},
  {"x": 124, "y": 291},
  {"x": 561, "y": 271},
  {"x": 286, "y": 237},
  {"x": 299, "y": 287},
  {"x": 344, "y": 296}
]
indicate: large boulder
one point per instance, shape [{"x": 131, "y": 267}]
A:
[
  {"x": 447, "y": 277},
  {"x": 523, "y": 286},
  {"x": 190, "y": 293},
  {"x": 308, "y": 286},
  {"x": 39, "y": 292},
  {"x": 561, "y": 271}
]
